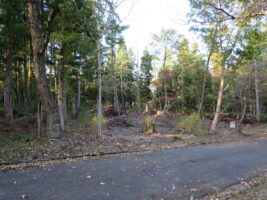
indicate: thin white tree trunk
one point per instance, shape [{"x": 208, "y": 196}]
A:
[
  {"x": 219, "y": 101},
  {"x": 164, "y": 81},
  {"x": 244, "y": 110},
  {"x": 115, "y": 89},
  {"x": 138, "y": 84},
  {"x": 257, "y": 92},
  {"x": 122, "y": 89},
  {"x": 39, "y": 119},
  {"x": 78, "y": 93},
  {"x": 138, "y": 96},
  {"x": 61, "y": 95},
  {"x": 99, "y": 115}
]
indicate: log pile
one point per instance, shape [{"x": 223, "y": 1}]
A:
[
  {"x": 228, "y": 117},
  {"x": 120, "y": 121},
  {"x": 110, "y": 111},
  {"x": 150, "y": 112}
]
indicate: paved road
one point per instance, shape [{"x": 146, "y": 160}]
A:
[{"x": 172, "y": 174}]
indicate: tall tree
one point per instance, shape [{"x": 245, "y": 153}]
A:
[
  {"x": 227, "y": 43},
  {"x": 163, "y": 45},
  {"x": 123, "y": 69},
  {"x": 40, "y": 18},
  {"x": 13, "y": 34},
  {"x": 203, "y": 12},
  {"x": 208, "y": 36},
  {"x": 253, "y": 46},
  {"x": 106, "y": 18},
  {"x": 146, "y": 75}
]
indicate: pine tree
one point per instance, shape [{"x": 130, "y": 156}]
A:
[{"x": 146, "y": 76}]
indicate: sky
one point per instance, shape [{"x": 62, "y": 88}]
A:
[{"x": 145, "y": 17}]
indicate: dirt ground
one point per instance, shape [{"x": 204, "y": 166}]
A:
[{"x": 19, "y": 144}]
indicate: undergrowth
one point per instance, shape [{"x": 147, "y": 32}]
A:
[
  {"x": 19, "y": 140},
  {"x": 190, "y": 124}
]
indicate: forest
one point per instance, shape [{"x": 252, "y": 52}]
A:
[{"x": 65, "y": 68}]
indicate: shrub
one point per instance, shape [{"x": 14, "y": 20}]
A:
[
  {"x": 93, "y": 123},
  {"x": 189, "y": 124},
  {"x": 67, "y": 129},
  {"x": 176, "y": 138},
  {"x": 85, "y": 118}
]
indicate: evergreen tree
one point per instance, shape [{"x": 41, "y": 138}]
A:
[
  {"x": 124, "y": 71},
  {"x": 146, "y": 75}
]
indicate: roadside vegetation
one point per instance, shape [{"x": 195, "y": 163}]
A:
[{"x": 70, "y": 85}]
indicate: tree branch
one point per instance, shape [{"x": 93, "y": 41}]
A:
[
  {"x": 260, "y": 11},
  {"x": 222, "y": 10},
  {"x": 50, "y": 20}
]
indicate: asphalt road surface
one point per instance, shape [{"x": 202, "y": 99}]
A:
[{"x": 172, "y": 174}]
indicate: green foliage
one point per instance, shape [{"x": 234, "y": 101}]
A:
[
  {"x": 177, "y": 138},
  {"x": 190, "y": 124},
  {"x": 253, "y": 44},
  {"x": 71, "y": 52},
  {"x": 14, "y": 140},
  {"x": 124, "y": 65},
  {"x": 93, "y": 122},
  {"x": 67, "y": 129},
  {"x": 85, "y": 117},
  {"x": 145, "y": 75},
  {"x": 90, "y": 121}
]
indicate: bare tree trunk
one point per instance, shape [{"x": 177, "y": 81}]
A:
[
  {"x": 99, "y": 113},
  {"x": 78, "y": 106},
  {"x": 213, "y": 95},
  {"x": 114, "y": 82},
  {"x": 166, "y": 98},
  {"x": 122, "y": 89},
  {"x": 204, "y": 84},
  {"x": 61, "y": 93},
  {"x": 31, "y": 80},
  {"x": 25, "y": 93},
  {"x": 138, "y": 84},
  {"x": 244, "y": 110},
  {"x": 19, "y": 85},
  {"x": 164, "y": 81},
  {"x": 65, "y": 114},
  {"x": 219, "y": 100},
  {"x": 256, "y": 83},
  {"x": 39, "y": 45},
  {"x": 74, "y": 108},
  {"x": 39, "y": 118},
  {"x": 225, "y": 55},
  {"x": 8, "y": 100},
  {"x": 116, "y": 99},
  {"x": 138, "y": 96}
]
